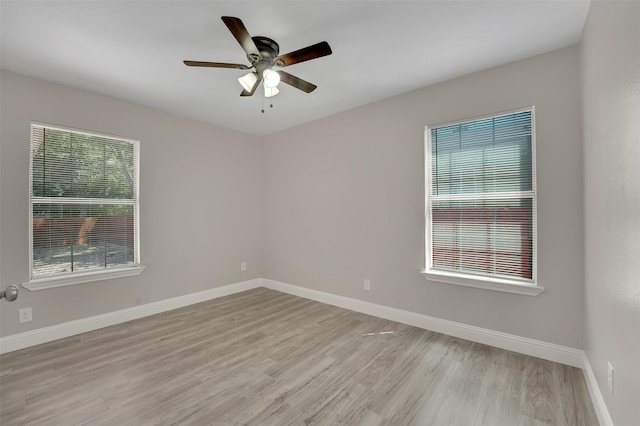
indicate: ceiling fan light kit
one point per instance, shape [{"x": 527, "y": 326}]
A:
[
  {"x": 271, "y": 78},
  {"x": 248, "y": 81},
  {"x": 263, "y": 54},
  {"x": 270, "y": 91}
]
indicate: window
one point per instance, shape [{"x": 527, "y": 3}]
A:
[
  {"x": 83, "y": 206},
  {"x": 481, "y": 202}
]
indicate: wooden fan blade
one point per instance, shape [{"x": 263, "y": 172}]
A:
[
  {"x": 296, "y": 82},
  {"x": 241, "y": 34},
  {"x": 318, "y": 50},
  {"x": 253, "y": 89},
  {"x": 215, "y": 65}
]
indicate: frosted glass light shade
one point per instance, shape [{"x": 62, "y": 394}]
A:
[
  {"x": 270, "y": 91},
  {"x": 247, "y": 81},
  {"x": 271, "y": 78}
]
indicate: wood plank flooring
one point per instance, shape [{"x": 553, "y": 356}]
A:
[{"x": 266, "y": 358}]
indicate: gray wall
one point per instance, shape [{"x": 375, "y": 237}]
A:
[
  {"x": 610, "y": 52},
  {"x": 200, "y": 192},
  {"x": 344, "y": 200},
  {"x": 338, "y": 200}
]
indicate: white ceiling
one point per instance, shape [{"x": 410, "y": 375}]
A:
[{"x": 133, "y": 50}]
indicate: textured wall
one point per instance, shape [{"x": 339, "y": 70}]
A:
[
  {"x": 344, "y": 200},
  {"x": 610, "y": 55}
]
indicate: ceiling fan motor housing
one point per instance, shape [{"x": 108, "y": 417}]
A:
[{"x": 268, "y": 48}]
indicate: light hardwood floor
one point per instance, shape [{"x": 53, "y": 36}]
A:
[{"x": 266, "y": 358}]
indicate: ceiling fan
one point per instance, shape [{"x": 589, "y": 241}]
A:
[{"x": 264, "y": 53}]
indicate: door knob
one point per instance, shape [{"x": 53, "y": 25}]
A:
[{"x": 10, "y": 293}]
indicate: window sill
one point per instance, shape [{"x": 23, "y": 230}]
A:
[
  {"x": 495, "y": 284},
  {"x": 81, "y": 278}
]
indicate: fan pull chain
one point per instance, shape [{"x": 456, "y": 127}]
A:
[{"x": 270, "y": 104}]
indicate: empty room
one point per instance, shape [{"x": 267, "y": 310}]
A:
[{"x": 320, "y": 212}]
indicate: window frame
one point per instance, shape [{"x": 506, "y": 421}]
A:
[
  {"x": 85, "y": 276},
  {"x": 483, "y": 281}
]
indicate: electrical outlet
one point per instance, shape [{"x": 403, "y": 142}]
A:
[
  {"x": 367, "y": 284},
  {"x": 243, "y": 266},
  {"x": 610, "y": 376},
  {"x": 25, "y": 314}
]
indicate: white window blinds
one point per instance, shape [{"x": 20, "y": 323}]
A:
[
  {"x": 84, "y": 202},
  {"x": 481, "y": 197}
]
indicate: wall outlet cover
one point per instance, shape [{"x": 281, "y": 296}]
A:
[{"x": 25, "y": 314}]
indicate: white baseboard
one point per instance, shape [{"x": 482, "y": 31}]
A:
[
  {"x": 549, "y": 351},
  {"x": 18, "y": 341},
  {"x": 537, "y": 348},
  {"x": 594, "y": 390},
  {"x": 523, "y": 345}
]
